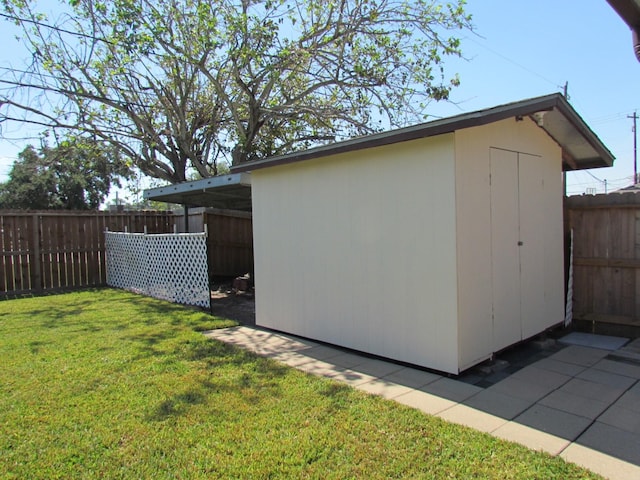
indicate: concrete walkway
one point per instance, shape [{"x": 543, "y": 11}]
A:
[{"x": 581, "y": 403}]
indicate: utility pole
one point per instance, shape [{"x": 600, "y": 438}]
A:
[{"x": 635, "y": 147}]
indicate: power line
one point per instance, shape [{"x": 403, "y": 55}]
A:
[
  {"x": 504, "y": 57},
  {"x": 593, "y": 176},
  {"x": 611, "y": 117}
]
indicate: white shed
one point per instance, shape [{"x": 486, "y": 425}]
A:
[{"x": 436, "y": 245}]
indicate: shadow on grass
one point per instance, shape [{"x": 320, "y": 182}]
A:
[
  {"x": 178, "y": 404},
  {"x": 36, "y": 345},
  {"x": 230, "y": 373},
  {"x": 59, "y": 316},
  {"x": 95, "y": 310},
  {"x": 150, "y": 344},
  {"x": 158, "y": 339}
]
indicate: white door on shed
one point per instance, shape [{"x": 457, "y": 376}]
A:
[
  {"x": 505, "y": 260},
  {"x": 533, "y": 218},
  {"x": 517, "y": 248}
]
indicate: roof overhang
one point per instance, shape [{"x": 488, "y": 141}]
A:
[
  {"x": 629, "y": 11},
  {"x": 581, "y": 148},
  {"x": 229, "y": 192}
]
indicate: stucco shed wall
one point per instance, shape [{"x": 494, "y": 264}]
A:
[{"x": 359, "y": 250}]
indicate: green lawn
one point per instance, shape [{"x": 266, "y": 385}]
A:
[{"x": 108, "y": 384}]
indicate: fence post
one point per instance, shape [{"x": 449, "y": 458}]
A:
[{"x": 107, "y": 269}]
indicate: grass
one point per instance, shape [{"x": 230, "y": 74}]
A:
[{"x": 108, "y": 384}]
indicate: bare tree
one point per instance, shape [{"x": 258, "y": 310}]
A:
[{"x": 182, "y": 84}]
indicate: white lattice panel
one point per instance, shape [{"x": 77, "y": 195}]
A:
[{"x": 168, "y": 266}]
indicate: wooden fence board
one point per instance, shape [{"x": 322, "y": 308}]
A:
[
  {"x": 3, "y": 267},
  {"x": 230, "y": 243},
  {"x": 5, "y": 258},
  {"x": 606, "y": 256},
  {"x": 45, "y": 235},
  {"x": 57, "y": 251},
  {"x": 35, "y": 260},
  {"x": 93, "y": 269},
  {"x": 26, "y": 246},
  {"x": 15, "y": 242},
  {"x": 64, "y": 261},
  {"x": 54, "y": 251}
]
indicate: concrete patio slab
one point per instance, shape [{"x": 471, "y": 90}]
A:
[
  {"x": 618, "y": 367},
  {"x": 322, "y": 352},
  {"x": 540, "y": 376},
  {"x": 578, "y": 405},
  {"x": 601, "y": 463},
  {"x": 520, "y": 388},
  {"x": 259, "y": 340},
  {"x": 412, "y": 377},
  {"x": 579, "y": 391},
  {"x": 383, "y": 388},
  {"x": 584, "y": 339},
  {"x": 231, "y": 335},
  {"x": 622, "y": 418},
  {"x": 347, "y": 360},
  {"x": 635, "y": 389},
  {"x": 607, "y": 378},
  {"x": 266, "y": 349},
  {"x": 612, "y": 441},
  {"x": 377, "y": 368},
  {"x": 630, "y": 400},
  {"x": 426, "y": 402},
  {"x": 498, "y": 404},
  {"x": 630, "y": 352},
  {"x": 579, "y": 355},
  {"x": 353, "y": 377},
  {"x": 557, "y": 366},
  {"x": 291, "y": 359},
  {"x": 596, "y": 391},
  {"x": 320, "y": 368},
  {"x": 451, "y": 389},
  {"x": 532, "y": 438},
  {"x": 470, "y": 417},
  {"x": 555, "y": 422}
]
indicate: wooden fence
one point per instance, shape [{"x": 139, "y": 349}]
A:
[
  {"x": 230, "y": 240},
  {"x": 606, "y": 280},
  {"x": 52, "y": 251}
]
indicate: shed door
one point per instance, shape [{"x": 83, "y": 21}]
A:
[
  {"x": 516, "y": 220},
  {"x": 532, "y": 251}
]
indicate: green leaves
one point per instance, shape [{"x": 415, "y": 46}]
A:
[
  {"x": 180, "y": 85},
  {"x": 75, "y": 175}
]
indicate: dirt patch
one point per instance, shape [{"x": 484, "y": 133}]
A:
[{"x": 228, "y": 303}]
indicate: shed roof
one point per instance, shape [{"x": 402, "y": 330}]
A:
[
  {"x": 230, "y": 192},
  {"x": 581, "y": 147}
]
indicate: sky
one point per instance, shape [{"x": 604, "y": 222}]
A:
[{"x": 519, "y": 49}]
